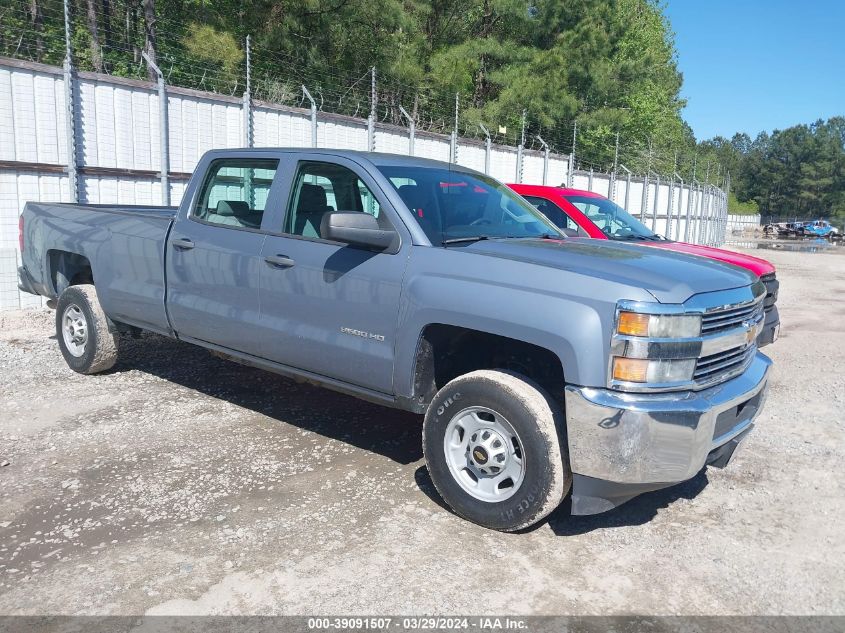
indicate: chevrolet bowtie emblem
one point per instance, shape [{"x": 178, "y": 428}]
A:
[{"x": 750, "y": 331}]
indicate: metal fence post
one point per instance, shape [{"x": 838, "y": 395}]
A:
[
  {"x": 727, "y": 212},
  {"x": 612, "y": 189},
  {"x": 412, "y": 127},
  {"x": 670, "y": 207},
  {"x": 644, "y": 199},
  {"x": 314, "y": 117},
  {"x": 717, "y": 237},
  {"x": 163, "y": 131},
  {"x": 711, "y": 233},
  {"x": 571, "y": 175},
  {"x": 680, "y": 205},
  {"x": 714, "y": 203},
  {"x": 247, "y": 106},
  {"x": 488, "y": 148},
  {"x": 689, "y": 230},
  {"x": 70, "y": 111},
  {"x": 720, "y": 237},
  {"x": 545, "y": 159},
  {"x": 371, "y": 120},
  {"x": 590, "y": 180},
  {"x": 627, "y": 187},
  {"x": 453, "y": 148},
  {"x": 692, "y": 211},
  {"x": 711, "y": 213},
  {"x": 655, "y": 203},
  {"x": 699, "y": 203},
  {"x": 520, "y": 151}
]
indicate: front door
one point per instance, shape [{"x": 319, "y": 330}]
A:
[
  {"x": 327, "y": 307},
  {"x": 214, "y": 255}
]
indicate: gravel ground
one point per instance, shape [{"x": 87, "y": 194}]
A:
[{"x": 182, "y": 483}]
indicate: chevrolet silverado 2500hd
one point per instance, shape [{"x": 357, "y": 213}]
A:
[{"x": 543, "y": 364}]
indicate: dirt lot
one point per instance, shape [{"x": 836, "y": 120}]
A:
[{"x": 181, "y": 483}]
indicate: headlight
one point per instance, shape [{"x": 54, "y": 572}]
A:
[
  {"x": 658, "y": 325},
  {"x": 653, "y": 371}
]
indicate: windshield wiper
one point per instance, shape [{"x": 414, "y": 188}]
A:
[
  {"x": 462, "y": 240},
  {"x": 631, "y": 236}
]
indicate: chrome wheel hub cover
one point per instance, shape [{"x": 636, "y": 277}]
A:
[
  {"x": 484, "y": 454},
  {"x": 74, "y": 330}
]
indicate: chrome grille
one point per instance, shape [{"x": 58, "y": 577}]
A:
[
  {"x": 721, "y": 320},
  {"x": 723, "y": 364}
]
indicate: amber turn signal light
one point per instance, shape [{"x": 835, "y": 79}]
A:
[
  {"x": 633, "y": 324},
  {"x": 630, "y": 369}
]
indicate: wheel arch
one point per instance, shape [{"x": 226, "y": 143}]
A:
[
  {"x": 66, "y": 268},
  {"x": 445, "y": 351}
]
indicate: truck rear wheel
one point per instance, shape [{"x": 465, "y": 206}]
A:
[
  {"x": 492, "y": 444},
  {"x": 83, "y": 331}
]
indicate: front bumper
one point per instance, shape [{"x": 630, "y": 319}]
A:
[
  {"x": 771, "y": 327},
  {"x": 623, "y": 444}
]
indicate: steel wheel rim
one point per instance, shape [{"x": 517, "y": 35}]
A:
[
  {"x": 496, "y": 471},
  {"x": 74, "y": 330}
]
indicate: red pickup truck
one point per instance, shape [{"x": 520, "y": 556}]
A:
[{"x": 587, "y": 214}]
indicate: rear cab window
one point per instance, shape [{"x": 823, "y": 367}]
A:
[{"x": 235, "y": 191}]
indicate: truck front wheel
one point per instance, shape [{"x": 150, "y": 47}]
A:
[
  {"x": 83, "y": 331},
  {"x": 492, "y": 444}
]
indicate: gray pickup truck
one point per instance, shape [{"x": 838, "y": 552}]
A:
[{"x": 544, "y": 365}]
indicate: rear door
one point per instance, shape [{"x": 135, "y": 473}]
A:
[
  {"x": 327, "y": 307},
  {"x": 214, "y": 253}
]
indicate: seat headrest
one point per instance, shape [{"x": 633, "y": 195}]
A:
[
  {"x": 413, "y": 196},
  {"x": 236, "y": 208},
  {"x": 311, "y": 198}
]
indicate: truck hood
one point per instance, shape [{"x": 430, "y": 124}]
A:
[
  {"x": 670, "y": 277},
  {"x": 756, "y": 265}
]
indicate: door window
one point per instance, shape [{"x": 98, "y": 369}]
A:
[
  {"x": 557, "y": 215},
  {"x": 322, "y": 188},
  {"x": 235, "y": 192}
]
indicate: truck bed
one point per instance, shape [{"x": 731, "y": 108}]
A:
[{"x": 124, "y": 244}]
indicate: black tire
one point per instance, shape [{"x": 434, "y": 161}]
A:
[
  {"x": 98, "y": 352},
  {"x": 538, "y": 421}
]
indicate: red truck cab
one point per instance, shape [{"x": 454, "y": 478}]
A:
[{"x": 582, "y": 213}]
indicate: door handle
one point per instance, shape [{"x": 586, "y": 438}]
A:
[
  {"x": 279, "y": 261},
  {"x": 183, "y": 243}
]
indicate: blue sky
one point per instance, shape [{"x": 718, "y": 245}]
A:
[{"x": 759, "y": 65}]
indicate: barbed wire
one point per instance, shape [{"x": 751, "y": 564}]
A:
[{"x": 278, "y": 77}]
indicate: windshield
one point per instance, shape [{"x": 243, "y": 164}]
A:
[
  {"x": 612, "y": 219},
  {"x": 457, "y": 206}
]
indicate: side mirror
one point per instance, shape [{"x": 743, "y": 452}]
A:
[{"x": 357, "y": 228}]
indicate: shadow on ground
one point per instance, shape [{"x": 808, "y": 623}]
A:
[
  {"x": 389, "y": 432},
  {"x": 637, "y": 511}
]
